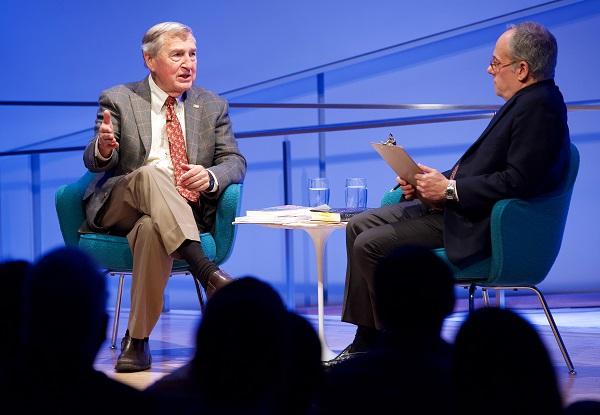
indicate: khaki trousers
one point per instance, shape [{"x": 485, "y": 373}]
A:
[{"x": 146, "y": 207}]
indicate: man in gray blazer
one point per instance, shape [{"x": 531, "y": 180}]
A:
[{"x": 163, "y": 152}]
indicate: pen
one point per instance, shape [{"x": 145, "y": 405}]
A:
[{"x": 396, "y": 187}]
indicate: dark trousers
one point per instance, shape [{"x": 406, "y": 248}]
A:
[{"x": 370, "y": 237}]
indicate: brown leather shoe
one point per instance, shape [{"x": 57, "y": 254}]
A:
[
  {"x": 135, "y": 355},
  {"x": 216, "y": 281}
]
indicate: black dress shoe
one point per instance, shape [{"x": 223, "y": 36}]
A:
[
  {"x": 135, "y": 355},
  {"x": 125, "y": 339},
  {"x": 344, "y": 356},
  {"x": 216, "y": 281}
]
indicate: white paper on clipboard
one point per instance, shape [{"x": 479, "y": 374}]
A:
[{"x": 399, "y": 161}]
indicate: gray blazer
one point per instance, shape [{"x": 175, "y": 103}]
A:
[{"x": 209, "y": 138}]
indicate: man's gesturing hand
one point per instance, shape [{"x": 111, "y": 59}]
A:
[{"x": 106, "y": 136}]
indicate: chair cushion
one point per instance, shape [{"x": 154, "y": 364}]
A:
[
  {"x": 476, "y": 272},
  {"x": 114, "y": 254}
]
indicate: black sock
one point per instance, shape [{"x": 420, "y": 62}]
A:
[
  {"x": 200, "y": 266},
  {"x": 127, "y": 335},
  {"x": 364, "y": 339}
]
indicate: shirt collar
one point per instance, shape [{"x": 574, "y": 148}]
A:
[{"x": 158, "y": 96}]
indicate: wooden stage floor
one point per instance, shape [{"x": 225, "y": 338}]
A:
[{"x": 577, "y": 317}]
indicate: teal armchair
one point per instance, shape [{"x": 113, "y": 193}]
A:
[
  {"x": 526, "y": 237},
  {"x": 113, "y": 253}
]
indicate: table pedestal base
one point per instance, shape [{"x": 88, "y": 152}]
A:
[{"x": 319, "y": 238}]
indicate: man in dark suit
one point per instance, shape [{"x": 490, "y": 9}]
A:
[
  {"x": 164, "y": 152},
  {"x": 522, "y": 153}
]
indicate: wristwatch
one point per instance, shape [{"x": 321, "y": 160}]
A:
[
  {"x": 451, "y": 190},
  {"x": 211, "y": 183}
]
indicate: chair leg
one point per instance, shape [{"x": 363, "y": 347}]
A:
[
  {"x": 486, "y": 297},
  {"x": 500, "y": 298},
  {"x": 472, "y": 289},
  {"x": 115, "y": 328},
  {"x": 559, "y": 340},
  {"x": 199, "y": 292}
]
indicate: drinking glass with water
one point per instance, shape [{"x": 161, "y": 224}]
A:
[
  {"x": 356, "y": 192},
  {"x": 318, "y": 191}
]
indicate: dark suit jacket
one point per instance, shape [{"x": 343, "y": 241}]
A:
[
  {"x": 522, "y": 153},
  {"x": 209, "y": 139}
]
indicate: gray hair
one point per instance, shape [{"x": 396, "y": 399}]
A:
[
  {"x": 154, "y": 38},
  {"x": 533, "y": 43}
]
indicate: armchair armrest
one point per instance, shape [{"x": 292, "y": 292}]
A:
[
  {"x": 391, "y": 197},
  {"x": 70, "y": 210},
  {"x": 224, "y": 233}
]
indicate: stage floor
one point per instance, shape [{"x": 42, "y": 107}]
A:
[{"x": 577, "y": 317}]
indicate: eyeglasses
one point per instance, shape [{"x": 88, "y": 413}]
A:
[{"x": 496, "y": 65}]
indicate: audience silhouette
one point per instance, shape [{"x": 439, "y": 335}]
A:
[
  {"x": 13, "y": 275},
  {"x": 583, "y": 407},
  {"x": 501, "y": 366},
  {"x": 410, "y": 369},
  {"x": 303, "y": 370},
  {"x": 252, "y": 357},
  {"x": 64, "y": 325}
]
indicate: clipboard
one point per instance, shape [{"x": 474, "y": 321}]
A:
[{"x": 399, "y": 161}]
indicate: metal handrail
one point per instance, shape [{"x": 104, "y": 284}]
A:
[
  {"x": 478, "y": 112},
  {"x": 572, "y": 105},
  {"x": 389, "y": 122}
]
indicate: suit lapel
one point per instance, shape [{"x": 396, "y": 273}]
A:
[
  {"x": 194, "y": 110},
  {"x": 140, "y": 102}
]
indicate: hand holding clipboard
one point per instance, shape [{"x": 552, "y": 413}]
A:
[{"x": 399, "y": 160}]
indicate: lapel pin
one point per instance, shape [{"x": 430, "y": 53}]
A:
[{"x": 196, "y": 106}]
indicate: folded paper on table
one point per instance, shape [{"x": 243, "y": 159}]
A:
[
  {"x": 276, "y": 214},
  {"x": 300, "y": 215},
  {"x": 279, "y": 211},
  {"x": 281, "y": 220},
  {"x": 399, "y": 160}
]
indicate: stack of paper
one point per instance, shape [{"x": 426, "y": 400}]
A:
[{"x": 276, "y": 214}]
